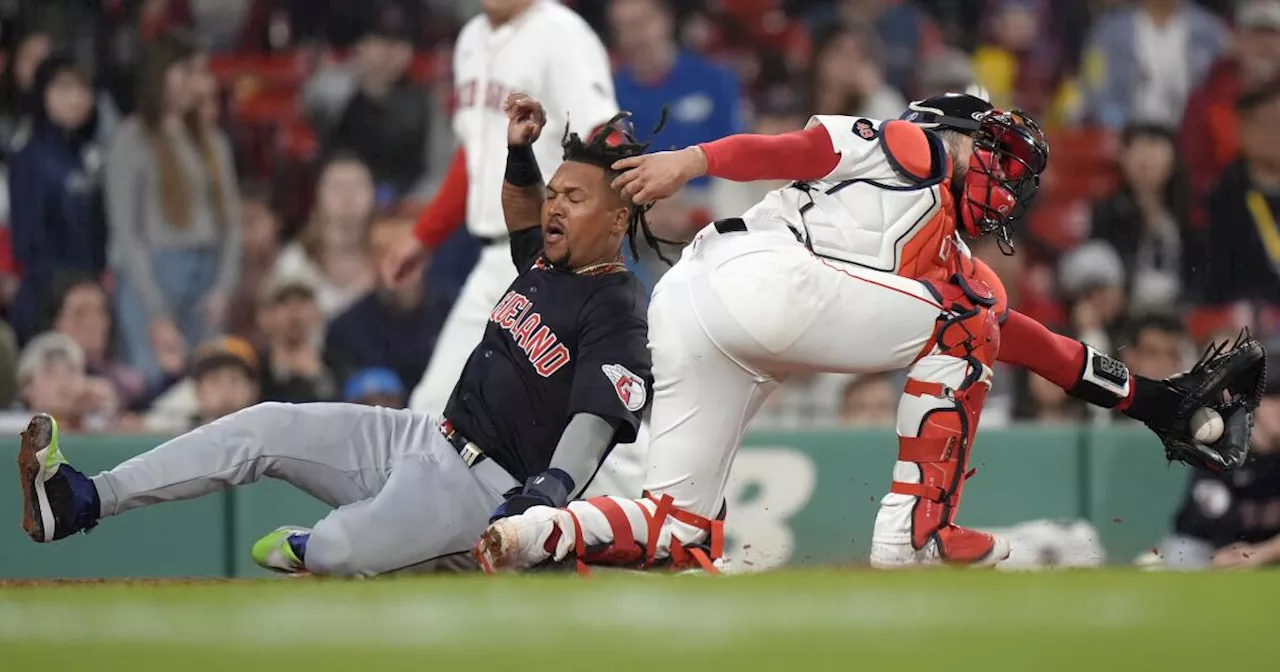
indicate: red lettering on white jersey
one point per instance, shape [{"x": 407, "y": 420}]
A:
[{"x": 468, "y": 94}]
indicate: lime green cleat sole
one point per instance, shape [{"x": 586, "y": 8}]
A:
[
  {"x": 273, "y": 551},
  {"x": 38, "y": 461}
]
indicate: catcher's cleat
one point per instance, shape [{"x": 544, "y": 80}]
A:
[
  {"x": 57, "y": 500},
  {"x": 282, "y": 550},
  {"x": 952, "y": 545},
  {"x": 523, "y": 541}
]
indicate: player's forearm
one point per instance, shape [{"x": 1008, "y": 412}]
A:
[
  {"x": 522, "y": 189},
  {"x": 448, "y": 210},
  {"x": 582, "y": 445},
  {"x": 1075, "y": 367},
  {"x": 801, "y": 156}
]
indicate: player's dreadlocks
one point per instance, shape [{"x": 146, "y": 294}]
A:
[{"x": 612, "y": 142}]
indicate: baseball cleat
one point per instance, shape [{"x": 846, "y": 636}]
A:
[
  {"x": 952, "y": 545},
  {"x": 276, "y": 551},
  {"x": 58, "y": 500}
]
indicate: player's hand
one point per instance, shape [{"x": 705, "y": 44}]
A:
[
  {"x": 651, "y": 177},
  {"x": 525, "y": 119},
  {"x": 402, "y": 261},
  {"x": 1240, "y": 556}
]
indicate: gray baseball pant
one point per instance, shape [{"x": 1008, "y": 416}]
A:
[{"x": 403, "y": 499}]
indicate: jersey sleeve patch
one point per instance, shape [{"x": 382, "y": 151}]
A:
[
  {"x": 628, "y": 386},
  {"x": 865, "y": 129}
]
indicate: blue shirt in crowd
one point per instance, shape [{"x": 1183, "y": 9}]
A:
[{"x": 703, "y": 100}]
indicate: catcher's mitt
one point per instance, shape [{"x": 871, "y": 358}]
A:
[{"x": 1229, "y": 378}]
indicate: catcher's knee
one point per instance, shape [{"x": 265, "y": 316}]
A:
[{"x": 968, "y": 328}]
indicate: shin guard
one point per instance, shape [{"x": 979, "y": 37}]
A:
[{"x": 937, "y": 419}]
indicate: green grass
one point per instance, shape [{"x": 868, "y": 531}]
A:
[{"x": 818, "y": 620}]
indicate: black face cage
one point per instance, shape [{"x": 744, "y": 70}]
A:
[{"x": 1015, "y": 145}]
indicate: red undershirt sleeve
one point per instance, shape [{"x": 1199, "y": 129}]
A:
[
  {"x": 448, "y": 210},
  {"x": 1026, "y": 343},
  {"x": 800, "y": 155}
]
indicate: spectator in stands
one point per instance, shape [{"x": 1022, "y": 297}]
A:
[
  {"x": 779, "y": 110},
  {"x": 1050, "y": 404},
  {"x": 52, "y": 379},
  {"x": 173, "y": 212},
  {"x": 907, "y": 31},
  {"x": 125, "y": 33},
  {"x": 1020, "y": 63},
  {"x": 944, "y": 70},
  {"x": 374, "y": 386},
  {"x": 55, "y": 193},
  {"x": 16, "y": 86},
  {"x": 330, "y": 250},
  {"x": 847, "y": 76},
  {"x": 1209, "y": 135},
  {"x": 1142, "y": 62},
  {"x": 1145, "y": 219},
  {"x": 394, "y": 328},
  {"x": 259, "y": 249},
  {"x": 225, "y": 372},
  {"x": 1243, "y": 235},
  {"x": 1091, "y": 283},
  {"x": 8, "y": 366},
  {"x": 703, "y": 98},
  {"x": 869, "y": 400},
  {"x": 292, "y": 368},
  {"x": 369, "y": 106},
  {"x": 1156, "y": 345},
  {"x": 75, "y": 304}
]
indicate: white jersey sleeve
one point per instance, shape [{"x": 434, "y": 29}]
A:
[
  {"x": 579, "y": 78},
  {"x": 857, "y": 141}
]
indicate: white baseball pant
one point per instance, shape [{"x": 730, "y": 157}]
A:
[{"x": 738, "y": 314}]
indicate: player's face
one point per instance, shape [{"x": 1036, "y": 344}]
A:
[
  {"x": 224, "y": 391},
  {"x": 582, "y": 218}
]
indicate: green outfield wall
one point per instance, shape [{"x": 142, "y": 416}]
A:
[{"x": 795, "y": 498}]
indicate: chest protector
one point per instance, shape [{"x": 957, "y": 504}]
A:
[{"x": 887, "y": 207}]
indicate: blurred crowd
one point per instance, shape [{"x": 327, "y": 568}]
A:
[{"x": 199, "y": 191}]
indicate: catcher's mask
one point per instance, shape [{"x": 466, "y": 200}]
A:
[{"x": 1009, "y": 154}]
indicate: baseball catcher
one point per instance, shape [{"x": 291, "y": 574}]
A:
[{"x": 856, "y": 266}]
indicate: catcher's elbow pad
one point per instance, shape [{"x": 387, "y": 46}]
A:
[{"x": 1104, "y": 380}]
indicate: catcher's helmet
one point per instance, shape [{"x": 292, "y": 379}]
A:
[
  {"x": 1009, "y": 154},
  {"x": 959, "y": 112}
]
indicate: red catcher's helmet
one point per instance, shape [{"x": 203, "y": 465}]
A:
[{"x": 1010, "y": 153}]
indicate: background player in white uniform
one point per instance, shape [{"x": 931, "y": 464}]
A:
[{"x": 547, "y": 51}]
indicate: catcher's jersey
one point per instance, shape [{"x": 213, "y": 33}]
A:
[
  {"x": 556, "y": 344},
  {"x": 887, "y": 204},
  {"x": 548, "y": 52}
]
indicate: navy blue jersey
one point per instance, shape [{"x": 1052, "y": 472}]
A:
[
  {"x": 1241, "y": 506},
  {"x": 557, "y": 344}
]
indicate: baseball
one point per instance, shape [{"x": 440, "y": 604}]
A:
[{"x": 1206, "y": 425}]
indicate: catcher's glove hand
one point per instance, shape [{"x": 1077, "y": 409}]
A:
[{"x": 1229, "y": 378}]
